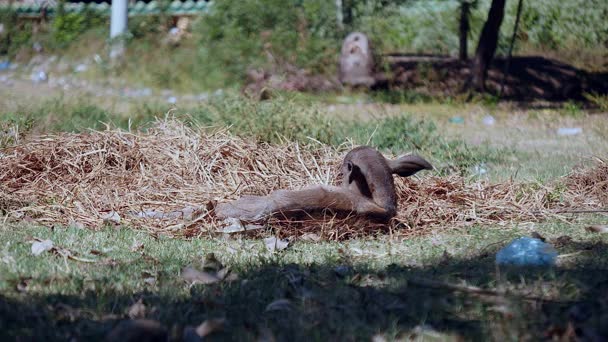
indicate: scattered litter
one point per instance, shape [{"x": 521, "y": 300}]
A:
[
  {"x": 39, "y": 77},
  {"x": 488, "y": 120},
  {"x": 97, "y": 59},
  {"x": 480, "y": 169},
  {"x": 272, "y": 244},
  {"x": 37, "y": 47},
  {"x": 566, "y": 131},
  {"x": 5, "y": 65},
  {"x": 172, "y": 99},
  {"x": 457, "y": 120},
  {"x": 39, "y": 247},
  {"x": 526, "y": 251},
  {"x": 112, "y": 218},
  {"x": 81, "y": 68},
  {"x": 598, "y": 228}
]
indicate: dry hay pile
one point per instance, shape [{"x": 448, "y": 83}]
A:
[{"x": 168, "y": 179}]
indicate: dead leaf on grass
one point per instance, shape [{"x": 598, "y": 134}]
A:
[
  {"x": 41, "y": 246},
  {"x": 137, "y": 246},
  {"x": 194, "y": 276},
  {"x": 598, "y": 228},
  {"x": 137, "y": 310},
  {"x": 22, "y": 285},
  {"x": 310, "y": 237},
  {"x": 279, "y": 305},
  {"x": 232, "y": 225},
  {"x": 149, "y": 277},
  {"x": 112, "y": 218},
  {"x": 209, "y": 326},
  {"x": 274, "y": 244}
]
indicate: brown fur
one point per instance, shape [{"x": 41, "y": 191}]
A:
[{"x": 367, "y": 189}]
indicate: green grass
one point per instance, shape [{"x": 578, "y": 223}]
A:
[
  {"x": 288, "y": 117},
  {"x": 379, "y": 291}
]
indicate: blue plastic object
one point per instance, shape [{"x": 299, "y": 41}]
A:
[{"x": 527, "y": 251}]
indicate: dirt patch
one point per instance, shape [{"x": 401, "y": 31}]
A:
[{"x": 529, "y": 78}]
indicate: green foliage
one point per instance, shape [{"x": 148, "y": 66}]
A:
[
  {"x": 237, "y": 35},
  {"x": 67, "y": 27},
  {"x": 403, "y": 133},
  {"x": 282, "y": 119},
  {"x": 601, "y": 101},
  {"x": 60, "y": 114},
  {"x": 572, "y": 109},
  {"x": 15, "y": 33}
]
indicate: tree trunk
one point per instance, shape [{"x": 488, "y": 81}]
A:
[
  {"x": 520, "y": 5},
  {"x": 487, "y": 44},
  {"x": 464, "y": 30}
]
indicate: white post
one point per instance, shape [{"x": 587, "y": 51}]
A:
[
  {"x": 339, "y": 15},
  {"x": 118, "y": 26}
]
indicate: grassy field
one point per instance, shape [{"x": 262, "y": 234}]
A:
[{"x": 441, "y": 285}]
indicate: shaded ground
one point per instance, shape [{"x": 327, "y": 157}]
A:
[
  {"x": 442, "y": 288},
  {"x": 529, "y": 78}
]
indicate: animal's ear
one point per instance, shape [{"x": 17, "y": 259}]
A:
[
  {"x": 353, "y": 171},
  {"x": 408, "y": 165}
]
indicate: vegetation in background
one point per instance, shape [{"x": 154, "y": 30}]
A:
[
  {"x": 235, "y": 36},
  {"x": 285, "y": 118}
]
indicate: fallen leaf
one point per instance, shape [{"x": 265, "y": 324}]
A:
[
  {"x": 96, "y": 252},
  {"x": 209, "y": 326},
  {"x": 138, "y": 330},
  {"x": 39, "y": 247},
  {"x": 194, "y": 276},
  {"x": 137, "y": 246},
  {"x": 23, "y": 284},
  {"x": 233, "y": 225},
  {"x": 279, "y": 305},
  {"x": 272, "y": 244},
  {"x": 598, "y": 228},
  {"x": 137, "y": 310},
  {"x": 111, "y": 218},
  {"x": 76, "y": 224},
  {"x": 310, "y": 237},
  {"x": 149, "y": 277}
]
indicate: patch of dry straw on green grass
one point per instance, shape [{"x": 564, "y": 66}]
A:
[{"x": 168, "y": 179}]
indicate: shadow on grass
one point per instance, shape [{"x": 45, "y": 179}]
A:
[{"x": 329, "y": 301}]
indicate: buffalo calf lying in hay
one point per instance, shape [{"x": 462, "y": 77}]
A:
[{"x": 168, "y": 179}]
